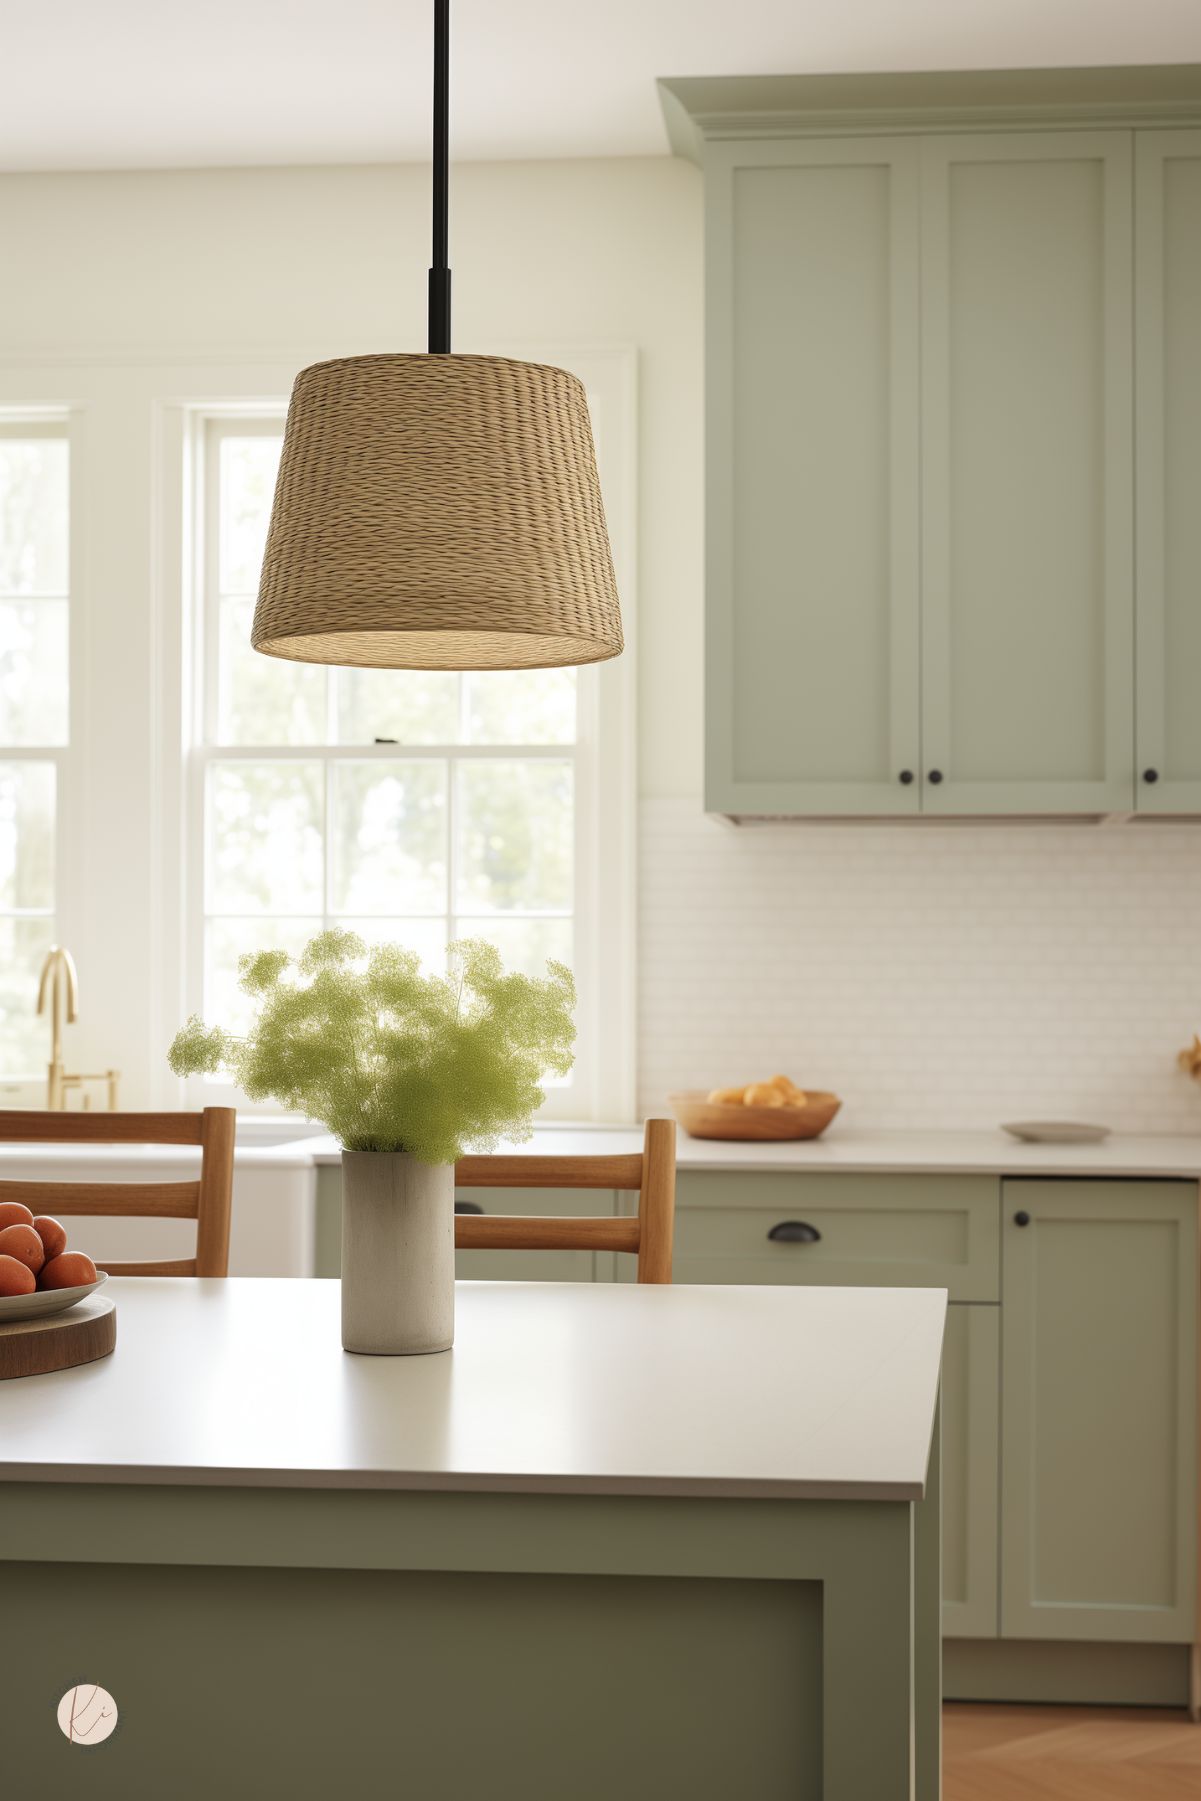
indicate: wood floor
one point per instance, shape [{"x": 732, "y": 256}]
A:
[{"x": 1069, "y": 1754}]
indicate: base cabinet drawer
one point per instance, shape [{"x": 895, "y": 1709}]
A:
[
  {"x": 489, "y": 1266},
  {"x": 872, "y": 1231},
  {"x": 535, "y": 1266}
]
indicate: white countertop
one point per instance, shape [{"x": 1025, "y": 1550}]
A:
[
  {"x": 606, "y": 1388},
  {"x": 949, "y": 1153},
  {"x": 840, "y": 1149}
]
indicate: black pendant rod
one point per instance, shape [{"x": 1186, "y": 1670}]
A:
[{"x": 439, "y": 297}]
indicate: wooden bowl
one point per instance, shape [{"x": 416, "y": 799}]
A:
[{"x": 703, "y": 1118}]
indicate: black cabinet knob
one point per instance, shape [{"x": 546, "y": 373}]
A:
[
  {"x": 905, "y": 777},
  {"x": 468, "y": 1207},
  {"x": 935, "y": 776},
  {"x": 1150, "y": 775},
  {"x": 1021, "y": 1217},
  {"x": 794, "y": 1231}
]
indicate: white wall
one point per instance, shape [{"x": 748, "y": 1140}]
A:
[
  {"x": 132, "y": 284},
  {"x": 245, "y": 264},
  {"x": 935, "y": 976},
  {"x": 947, "y": 976}
]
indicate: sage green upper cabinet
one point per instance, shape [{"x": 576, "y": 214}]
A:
[
  {"x": 951, "y": 355},
  {"x": 812, "y": 428},
  {"x": 1168, "y": 350},
  {"x": 1098, "y": 1410},
  {"x": 1027, "y": 473}
]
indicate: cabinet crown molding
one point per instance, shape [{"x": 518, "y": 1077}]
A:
[{"x": 705, "y": 108}]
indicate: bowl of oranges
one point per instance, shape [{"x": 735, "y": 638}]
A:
[
  {"x": 776, "y": 1109},
  {"x": 38, "y": 1274}
]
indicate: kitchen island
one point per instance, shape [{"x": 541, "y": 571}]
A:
[{"x": 621, "y": 1540}]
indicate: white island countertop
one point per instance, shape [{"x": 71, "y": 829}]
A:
[{"x": 802, "y": 1393}]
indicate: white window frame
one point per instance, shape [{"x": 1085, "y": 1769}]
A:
[
  {"x": 28, "y": 1087},
  {"x": 603, "y": 1086}
]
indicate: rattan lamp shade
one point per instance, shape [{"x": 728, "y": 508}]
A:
[{"x": 438, "y": 512}]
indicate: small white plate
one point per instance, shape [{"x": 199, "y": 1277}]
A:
[
  {"x": 45, "y": 1301},
  {"x": 1055, "y": 1131}
]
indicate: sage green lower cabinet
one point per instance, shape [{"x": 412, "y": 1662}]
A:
[
  {"x": 1069, "y": 1399},
  {"x": 1069, "y": 1383},
  {"x": 537, "y": 1266},
  {"x": 651, "y": 1647},
  {"x": 885, "y": 1231},
  {"x": 1099, "y": 1405},
  {"x": 488, "y": 1266},
  {"x": 970, "y": 1465}
]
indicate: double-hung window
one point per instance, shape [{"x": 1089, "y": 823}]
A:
[
  {"x": 409, "y": 806},
  {"x": 35, "y": 583}
]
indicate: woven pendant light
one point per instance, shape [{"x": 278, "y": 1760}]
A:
[{"x": 438, "y": 511}]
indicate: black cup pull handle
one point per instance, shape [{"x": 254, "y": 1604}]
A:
[
  {"x": 1021, "y": 1217},
  {"x": 468, "y": 1207},
  {"x": 794, "y": 1231}
]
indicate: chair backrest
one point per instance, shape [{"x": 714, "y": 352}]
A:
[
  {"x": 650, "y": 1174},
  {"x": 207, "y": 1200}
]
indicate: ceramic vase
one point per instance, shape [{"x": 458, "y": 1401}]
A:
[{"x": 398, "y": 1254}]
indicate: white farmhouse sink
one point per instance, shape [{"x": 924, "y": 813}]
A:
[
  {"x": 268, "y": 1128},
  {"x": 273, "y": 1201}
]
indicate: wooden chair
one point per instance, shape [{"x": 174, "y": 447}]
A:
[
  {"x": 207, "y": 1201},
  {"x": 651, "y": 1175}
]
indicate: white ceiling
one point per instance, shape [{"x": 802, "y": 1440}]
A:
[{"x": 91, "y": 84}]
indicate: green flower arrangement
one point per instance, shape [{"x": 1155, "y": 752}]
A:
[{"x": 389, "y": 1059}]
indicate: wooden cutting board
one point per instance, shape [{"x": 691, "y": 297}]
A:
[{"x": 34, "y": 1347}]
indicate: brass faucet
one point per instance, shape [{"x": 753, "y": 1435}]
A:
[{"x": 59, "y": 985}]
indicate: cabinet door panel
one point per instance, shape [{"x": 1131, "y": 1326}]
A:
[
  {"x": 1168, "y": 401},
  {"x": 1027, "y": 606},
  {"x": 1098, "y": 1437},
  {"x": 812, "y": 443},
  {"x": 970, "y": 1444}
]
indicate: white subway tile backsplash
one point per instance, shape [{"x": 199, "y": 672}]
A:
[{"x": 933, "y": 975}]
